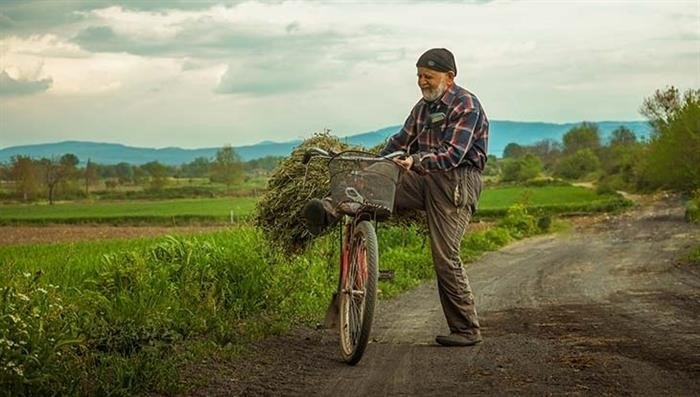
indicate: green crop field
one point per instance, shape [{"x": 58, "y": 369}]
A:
[
  {"x": 494, "y": 202},
  {"x": 549, "y": 199},
  {"x": 130, "y": 211},
  {"x": 503, "y": 197}
]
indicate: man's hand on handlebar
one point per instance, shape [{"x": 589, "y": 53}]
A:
[{"x": 405, "y": 162}]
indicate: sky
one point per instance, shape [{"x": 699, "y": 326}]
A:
[{"x": 194, "y": 74}]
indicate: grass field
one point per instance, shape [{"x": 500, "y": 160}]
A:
[
  {"x": 215, "y": 210},
  {"x": 494, "y": 202},
  {"x": 549, "y": 199},
  {"x": 121, "y": 317}
]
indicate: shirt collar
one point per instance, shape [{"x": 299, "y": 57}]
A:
[{"x": 449, "y": 95}]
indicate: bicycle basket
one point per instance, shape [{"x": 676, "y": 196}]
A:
[{"x": 357, "y": 177}]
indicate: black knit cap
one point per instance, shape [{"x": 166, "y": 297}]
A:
[{"x": 438, "y": 59}]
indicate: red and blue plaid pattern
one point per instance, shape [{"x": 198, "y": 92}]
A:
[{"x": 461, "y": 140}]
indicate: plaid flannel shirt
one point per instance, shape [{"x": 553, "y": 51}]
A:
[{"x": 461, "y": 139}]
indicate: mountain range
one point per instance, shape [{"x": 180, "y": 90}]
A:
[{"x": 501, "y": 133}]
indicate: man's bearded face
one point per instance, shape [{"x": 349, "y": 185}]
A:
[{"x": 433, "y": 83}]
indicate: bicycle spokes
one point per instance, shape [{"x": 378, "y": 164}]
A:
[
  {"x": 358, "y": 290},
  {"x": 355, "y": 292}
]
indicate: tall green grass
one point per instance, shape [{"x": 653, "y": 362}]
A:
[{"x": 120, "y": 318}]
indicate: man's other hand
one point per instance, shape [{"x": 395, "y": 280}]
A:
[{"x": 405, "y": 162}]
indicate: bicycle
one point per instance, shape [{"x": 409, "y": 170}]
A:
[{"x": 362, "y": 187}]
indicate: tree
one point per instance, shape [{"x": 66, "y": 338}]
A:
[
  {"x": 56, "y": 171},
  {"x": 521, "y": 169},
  {"x": 620, "y": 158},
  {"x": 513, "y": 150},
  {"x": 158, "y": 173},
  {"x": 197, "y": 168},
  {"x": 622, "y": 136},
  {"x": 25, "y": 173},
  {"x": 582, "y": 136},
  {"x": 90, "y": 175},
  {"x": 674, "y": 149},
  {"x": 267, "y": 163},
  {"x": 4, "y": 172},
  {"x": 124, "y": 173},
  {"x": 660, "y": 108},
  {"x": 227, "y": 167},
  {"x": 577, "y": 165},
  {"x": 548, "y": 150},
  {"x": 493, "y": 166}
]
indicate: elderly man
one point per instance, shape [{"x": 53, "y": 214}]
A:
[{"x": 446, "y": 137}]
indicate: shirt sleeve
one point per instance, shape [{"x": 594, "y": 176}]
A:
[
  {"x": 401, "y": 139},
  {"x": 458, "y": 137}
]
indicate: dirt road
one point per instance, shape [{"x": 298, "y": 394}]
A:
[{"x": 604, "y": 310}]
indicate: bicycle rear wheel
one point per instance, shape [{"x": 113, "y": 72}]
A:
[{"x": 358, "y": 293}]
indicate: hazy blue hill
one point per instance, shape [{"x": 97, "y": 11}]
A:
[{"x": 501, "y": 133}]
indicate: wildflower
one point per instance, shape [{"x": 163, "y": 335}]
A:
[
  {"x": 27, "y": 275},
  {"x": 23, "y": 297},
  {"x": 43, "y": 291}
]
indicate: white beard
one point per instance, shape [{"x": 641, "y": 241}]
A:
[{"x": 431, "y": 95}]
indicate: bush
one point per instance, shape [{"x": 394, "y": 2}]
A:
[
  {"x": 521, "y": 169},
  {"x": 544, "y": 223},
  {"x": 518, "y": 222},
  {"x": 578, "y": 165},
  {"x": 608, "y": 185}
]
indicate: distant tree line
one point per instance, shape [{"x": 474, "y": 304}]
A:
[
  {"x": 29, "y": 178},
  {"x": 668, "y": 159}
]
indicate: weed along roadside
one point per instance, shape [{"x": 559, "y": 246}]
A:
[{"x": 119, "y": 318}]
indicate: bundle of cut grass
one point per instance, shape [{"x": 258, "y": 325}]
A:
[{"x": 293, "y": 184}]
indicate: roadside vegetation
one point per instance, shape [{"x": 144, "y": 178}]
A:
[{"x": 124, "y": 317}]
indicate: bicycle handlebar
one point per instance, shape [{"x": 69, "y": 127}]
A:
[{"x": 318, "y": 152}]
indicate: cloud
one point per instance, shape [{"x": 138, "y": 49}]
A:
[
  {"x": 229, "y": 32},
  {"x": 104, "y": 39},
  {"x": 279, "y": 75},
  {"x": 22, "y": 16},
  {"x": 41, "y": 45},
  {"x": 12, "y": 87}
]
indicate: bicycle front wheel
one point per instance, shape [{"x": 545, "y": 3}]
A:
[{"x": 358, "y": 293}]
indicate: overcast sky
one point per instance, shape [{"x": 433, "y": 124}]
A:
[{"x": 208, "y": 73}]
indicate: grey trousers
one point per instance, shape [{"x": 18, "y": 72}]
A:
[{"x": 449, "y": 199}]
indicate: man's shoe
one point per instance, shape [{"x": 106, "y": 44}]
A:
[
  {"x": 319, "y": 215},
  {"x": 454, "y": 339}
]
